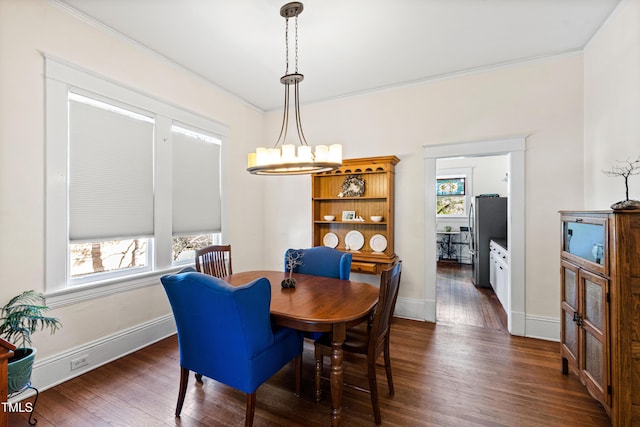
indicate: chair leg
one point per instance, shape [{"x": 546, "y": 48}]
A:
[
  {"x": 387, "y": 366},
  {"x": 319, "y": 357},
  {"x": 251, "y": 409},
  {"x": 199, "y": 378},
  {"x": 298, "y": 364},
  {"x": 184, "y": 380},
  {"x": 373, "y": 389}
]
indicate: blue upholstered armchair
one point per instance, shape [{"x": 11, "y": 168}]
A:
[
  {"x": 225, "y": 333},
  {"x": 322, "y": 261}
]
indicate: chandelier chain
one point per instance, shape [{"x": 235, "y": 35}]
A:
[
  {"x": 296, "y": 44},
  {"x": 286, "y": 43}
]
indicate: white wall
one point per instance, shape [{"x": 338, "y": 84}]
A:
[
  {"x": 540, "y": 99},
  {"x": 612, "y": 106},
  {"x": 488, "y": 172},
  {"x": 30, "y": 27}
]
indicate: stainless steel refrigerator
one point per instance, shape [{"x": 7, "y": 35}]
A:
[{"x": 487, "y": 221}]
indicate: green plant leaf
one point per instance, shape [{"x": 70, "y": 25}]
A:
[{"x": 23, "y": 315}]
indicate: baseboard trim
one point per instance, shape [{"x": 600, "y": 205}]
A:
[
  {"x": 413, "y": 309},
  {"x": 544, "y": 328},
  {"x": 53, "y": 370}
]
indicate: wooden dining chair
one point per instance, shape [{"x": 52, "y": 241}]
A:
[
  {"x": 368, "y": 340},
  {"x": 214, "y": 260}
]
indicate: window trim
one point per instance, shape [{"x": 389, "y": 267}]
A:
[{"x": 60, "y": 77}]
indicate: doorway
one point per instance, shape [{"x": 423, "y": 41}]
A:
[
  {"x": 465, "y": 294},
  {"x": 514, "y": 149}
]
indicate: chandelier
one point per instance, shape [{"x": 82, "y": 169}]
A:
[{"x": 286, "y": 158}]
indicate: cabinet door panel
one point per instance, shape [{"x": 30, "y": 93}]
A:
[
  {"x": 570, "y": 340},
  {"x": 492, "y": 269},
  {"x": 594, "y": 359},
  {"x": 569, "y": 328},
  {"x": 570, "y": 291},
  {"x": 594, "y": 340},
  {"x": 594, "y": 304}
]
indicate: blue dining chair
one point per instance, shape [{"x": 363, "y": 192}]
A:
[
  {"x": 225, "y": 333},
  {"x": 321, "y": 261}
]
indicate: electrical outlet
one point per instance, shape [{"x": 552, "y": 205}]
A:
[{"x": 79, "y": 362}]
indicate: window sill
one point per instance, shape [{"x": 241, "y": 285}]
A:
[{"x": 94, "y": 290}]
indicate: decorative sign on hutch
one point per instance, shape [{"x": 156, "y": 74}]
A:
[{"x": 353, "y": 210}]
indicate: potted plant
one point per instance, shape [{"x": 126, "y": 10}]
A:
[
  {"x": 625, "y": 170},
  {"x": 20, "y": 317}
]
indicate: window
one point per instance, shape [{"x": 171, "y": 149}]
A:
[
  {"x": 196, "y": 192},
  {"x": 110, "y": 182},
  {"x": 184, "y": 247},
  {"x": 453, "y": 187},
  {"x": 451, "y": 196},
  {"x": 133, "y": 184},
  {"x": 107, "y": 256}
]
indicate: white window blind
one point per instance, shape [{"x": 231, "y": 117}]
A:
[
  {"x": 196, "y": 182},
  {"x": 110, "y": 171}
]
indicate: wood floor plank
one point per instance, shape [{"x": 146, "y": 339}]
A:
[{"x": 460, "y": 302}]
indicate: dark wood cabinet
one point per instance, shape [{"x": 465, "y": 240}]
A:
[
  {"x": 600, "y": 308},
  {"x": 585, "y": 347},
  {"x": 6, "y": 352},
  {"x": 372, "y": 195}
]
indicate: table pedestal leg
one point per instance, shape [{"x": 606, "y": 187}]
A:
[{"x": 338, "y": 336}]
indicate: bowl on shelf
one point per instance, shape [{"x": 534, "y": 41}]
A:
[
  {"x": 376, "y": 218},
  {"x": 329, "y": 217}
]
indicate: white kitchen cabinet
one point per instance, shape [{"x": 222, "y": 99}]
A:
[{"x": 499, "y": 271}]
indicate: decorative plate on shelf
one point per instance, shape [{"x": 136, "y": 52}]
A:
[
  {"x": 353, "y": 186},
  {"x": 354, "y": 240},
  {"x": 330, "y": 240},
  {"x": 378, "y": 243}
]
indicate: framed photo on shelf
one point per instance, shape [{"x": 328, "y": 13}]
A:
[{"x": 348, "y": 215}]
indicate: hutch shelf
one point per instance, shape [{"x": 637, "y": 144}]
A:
[{"x": 361, "y": 188}]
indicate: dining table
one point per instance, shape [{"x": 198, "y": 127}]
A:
[{"x": 318, "y": 304}]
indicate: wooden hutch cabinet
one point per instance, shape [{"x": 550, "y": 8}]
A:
[
  {"x": 600, "y": 308},
  {"x": 355, "y": 192}
]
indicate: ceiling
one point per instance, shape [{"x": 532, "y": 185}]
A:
[{"x": 346, "y": 46}]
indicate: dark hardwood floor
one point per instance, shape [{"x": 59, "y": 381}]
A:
[
  {"x": 460, "y": 302},
  {"x": 445, "y": 375}
]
